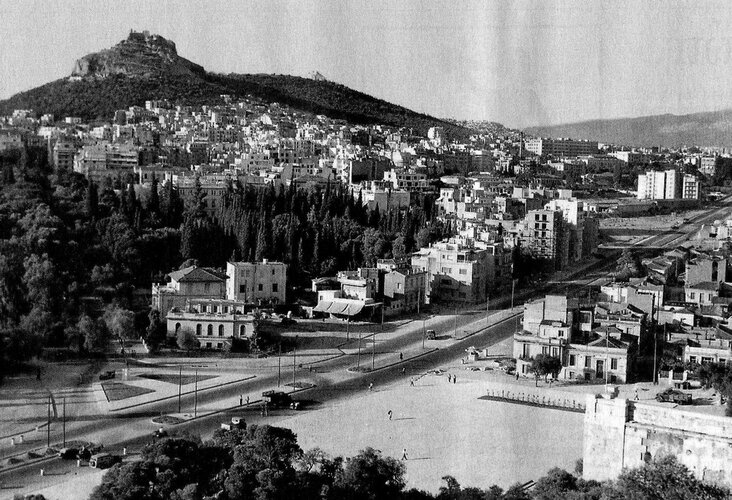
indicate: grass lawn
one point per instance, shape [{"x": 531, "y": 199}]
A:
[
  {"x": 116, "y": 391},
  {"x": 173, "y": 378}
]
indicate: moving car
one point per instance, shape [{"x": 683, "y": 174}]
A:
[
  {"x": 109, "y": 374},
  {"x": 277, "y": 399}
]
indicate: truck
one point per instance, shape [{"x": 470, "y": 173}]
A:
[
  {"x": 235, "y": 423},
  {"x": 276, "y": 399}
]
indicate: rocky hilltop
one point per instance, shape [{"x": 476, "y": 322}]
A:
[
  {"x": 140, "y": 55},
  {"x": 147, "y": 67}
]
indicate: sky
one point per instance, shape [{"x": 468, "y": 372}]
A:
[{"x": 521, "y": 63}]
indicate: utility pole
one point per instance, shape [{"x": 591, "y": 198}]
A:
[
  {"x": 294, "y": 355},
  {"x": 279, "y": 364},
  {"x": 454, "y": 325},
  {"x": 48, "y": 424},
  {"x": 180, "y": 385},
  {"x": 373, "y": 351},
  {"x": 195, "y": 397},
  {"x": 348, "y": 323},
  {"x": 358, "y": 358},
  {"x": 487, "y": 307},
  {"x": 424, "y": 331},
  {"x": 382, "y": 316},
  {"x": 64, "y": 423},
  {"x": 655, "y": 340}
]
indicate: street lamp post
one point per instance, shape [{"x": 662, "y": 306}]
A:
[
  {"x": 358, "y": 358},
  {"x": 180, "y": 385},
  {"x": 195, "y": 397}
]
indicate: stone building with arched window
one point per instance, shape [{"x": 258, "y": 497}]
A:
[{"x": 215, "y": 322}]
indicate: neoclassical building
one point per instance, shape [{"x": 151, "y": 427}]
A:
[{"x": 215, "y": 322}]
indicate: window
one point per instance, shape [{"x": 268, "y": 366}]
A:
[
  {"x": 209, "y": 330},
  {"x": 206, "y": 287},
  {"x": 692, "y": 359},
  {"x": 177, "y": 327},
  {"x": 260, "y": 287},
  {"x": 242, "y": 331},
  {"x": 273, "y": 271},
  {"x": 243, "y": 288},
  {"x": 275, "y": 287},
  {"x": 555, "y": 352},
  {"x": 613, "y": 363},
  {"x": 221, "y": 330},
  {"x": 525, "y": 350},
  {"x": 572, "y": 360},
  {"x": 208, "y": 345},
  {"x": 198, "y": 329},
  {"x": 463, "y": 271},
  {"x": 220, "y": 345},
  {"x": 692, "y": 295},
  {"x": 588, "y": 361}
]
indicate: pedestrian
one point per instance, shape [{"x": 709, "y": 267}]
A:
[
  {"x": 389, "y": 413},
  {"x": 411, "y": 381},
  {"x": 404, "y": 371},
  {"x": 517, "y": 375},
  {"x": 371, "y": 386},
  {"x": 247, "y": 400},
  {"x": 38, "y": 373},
  {"x": 241, "y": 400},
  {"x": 404, "y": 454},
  {"x": 401, "y": 356},
  {"x": 449, "y": 378},
  {"x": 636, "y": 394},
  {"x": 454, "y": 379}
]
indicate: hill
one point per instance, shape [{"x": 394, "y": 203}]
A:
[
  {"x": 145, "y": 67},
  {"x": 698, "y": 129}
]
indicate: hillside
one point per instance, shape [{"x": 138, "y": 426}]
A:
[
  {"x": 699, "y": 129},
  {"x": 145, "y": 67}
]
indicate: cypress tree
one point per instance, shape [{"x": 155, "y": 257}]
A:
[
  {"x": 153, "y": 204},
  {"x": 92, "y": 200}
]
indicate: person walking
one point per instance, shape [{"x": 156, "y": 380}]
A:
[
  {"x": 404, "y": 371},
  {"x": 371, "y": 386},
  {"x": 454, "y": 379},
  {"x": 247, "y": 400},
  {"x": 389, "y": 413},
  {"x": 404, "y": 454},
  {"x": 411, "y": 381},
  {"x": 241, "y": 399},
  {"x": 401, "y": 356}
]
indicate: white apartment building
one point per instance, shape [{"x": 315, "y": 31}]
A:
[
  {"x": 659, "y": 185},
  {"x": 256, "y": 282}
]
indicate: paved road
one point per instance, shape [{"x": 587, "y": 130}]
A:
[{"x": 132, "y": 430}]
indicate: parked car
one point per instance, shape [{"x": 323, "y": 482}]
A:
[
  {"x": 674, "y": 396},
  {"x": 236, "y": 423},
  {"x": 104, "y": 460},
  {"x": 69, "y": 453},
  {"x": 160, "y": 433},
  {"x": 109, "y": 374}
]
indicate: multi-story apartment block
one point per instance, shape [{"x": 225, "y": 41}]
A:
[
  {"x": 257, "y": 282},
  {"x": 460, "y": 270},
  {"x": 659, "y": 185},
  {"x": 405, "y": 180},
  {"x": 404, "y": 288},
  {"x": 64, "y": 152},
  {"x": 560, "y": 147},
  {"x": 104, "y": 160},
  {"x": 545, "y": 237},
  {"x": 191, "y": 283},
  {"x": 690, "y": 188}
]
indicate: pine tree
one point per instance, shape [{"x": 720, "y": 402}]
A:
[{"x": 188, "y": 243}]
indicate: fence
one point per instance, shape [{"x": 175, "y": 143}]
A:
[{"x": 537, "y": 396}]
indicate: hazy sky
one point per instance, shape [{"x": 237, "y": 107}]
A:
[{"x": 517, "y": 62}]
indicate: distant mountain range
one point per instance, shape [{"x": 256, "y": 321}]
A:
[
  {"x": 146, "y": 67},
  {"x": 698, "y": 129}
]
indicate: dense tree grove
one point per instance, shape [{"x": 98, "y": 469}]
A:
[
  {"x": 264, "y": 462},
  {"x": 66, "y": 242}
]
